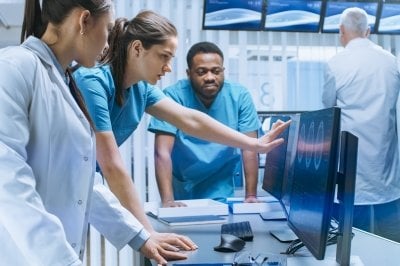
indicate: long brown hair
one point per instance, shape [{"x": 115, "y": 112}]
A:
[
  {"x": 55, "y": 11},
  {"x": 148, "y": 27},
  {"x": 36, "y": 20}
]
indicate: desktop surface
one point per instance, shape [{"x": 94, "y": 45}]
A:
[{"x": 385, "y": 252}]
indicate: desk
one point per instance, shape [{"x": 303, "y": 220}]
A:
[{"x": 371, "y": 249}]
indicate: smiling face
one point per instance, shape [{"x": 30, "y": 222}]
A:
[{"x": 207, "y": 76}]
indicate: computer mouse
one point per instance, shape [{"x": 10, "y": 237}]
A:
[{"x": 230, "y": 243}]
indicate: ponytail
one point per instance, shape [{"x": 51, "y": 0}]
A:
[
  {"x": 33, "y": 23},
  {"x": 116, "y": 54}
]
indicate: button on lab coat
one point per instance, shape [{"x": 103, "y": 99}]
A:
[{"x": 47, "y": 166}]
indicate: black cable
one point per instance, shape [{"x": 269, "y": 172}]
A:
[{"x": 333, "y": 234}]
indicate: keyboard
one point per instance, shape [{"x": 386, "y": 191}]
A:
[{"x": 239, "y": 229}]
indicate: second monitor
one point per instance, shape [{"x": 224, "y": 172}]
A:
[{"x": 314, "y": 178}]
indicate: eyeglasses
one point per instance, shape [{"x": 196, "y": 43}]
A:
[
  {"x": 261, "y": 259},
  {"x": 215, "y": 71}
]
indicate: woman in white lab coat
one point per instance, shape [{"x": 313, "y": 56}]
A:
[{"x": 47, "y": 146}]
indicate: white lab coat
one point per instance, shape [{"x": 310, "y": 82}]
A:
[
  {"x": 47, "y": 166},
  {"x": 364, "y": 81}
]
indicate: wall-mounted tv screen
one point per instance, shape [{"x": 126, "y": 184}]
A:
[
  {"x": 293, "y": 15},
  {"x": 334, "y": 9},
  {"x": 389, "y": 22},
  {"x": 232, "y": 14}
]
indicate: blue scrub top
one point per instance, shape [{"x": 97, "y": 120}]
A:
[
  {"x": 202, "y": 169},
  {"x": 98, "y": 89}
]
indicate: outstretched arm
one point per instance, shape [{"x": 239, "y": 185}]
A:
[{"x": 200, "y": 125}]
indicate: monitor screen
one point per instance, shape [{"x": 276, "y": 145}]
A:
[
  {"x": 389, "y": 22},
  {"x": 278, "y": 161},
  {"x": 265, "y": 118},
  {"x": 293, "y": 15},
  {"x": 314, "y": 178},
  {"x": 334, "y": 9},
  {"x": 289, "y": 164},
  {"x": 232, "y": 14}
]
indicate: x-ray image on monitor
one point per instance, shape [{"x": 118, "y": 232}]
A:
[
  {"x": 389, "y": 22},
  {"x": 335, "y": 8},
  {"x": 293, "y": 15},
  {"x": 232, "y": 14}
]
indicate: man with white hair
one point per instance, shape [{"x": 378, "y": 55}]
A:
[{"x": 364, "y": 81}]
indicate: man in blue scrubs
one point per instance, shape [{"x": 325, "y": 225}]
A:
[{"x": 191, "y": 168}]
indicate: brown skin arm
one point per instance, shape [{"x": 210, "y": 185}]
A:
[
  {"x": 163, "y": 145},
  {"x": 250, "y": 166}
]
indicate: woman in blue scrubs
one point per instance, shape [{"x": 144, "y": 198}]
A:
[{"x": 120, "y": 90}]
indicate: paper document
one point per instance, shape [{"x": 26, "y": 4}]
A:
[
  {"x": 260, "y": 198},
  {"x": 193, "y": 220},
  {"x": 258, "y": 207},
  {"x": 197, "y": 207}
]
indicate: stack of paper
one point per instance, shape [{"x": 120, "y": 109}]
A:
[
  {"x": 190, "y": 220},
  {"x": 238, "y": 206},
  {"x": 199, "y": 211}
]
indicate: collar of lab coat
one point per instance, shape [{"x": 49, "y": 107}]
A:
[{"x": 49, "y": 61}]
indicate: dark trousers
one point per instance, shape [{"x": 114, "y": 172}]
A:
[{"x": 380, "y": 219}]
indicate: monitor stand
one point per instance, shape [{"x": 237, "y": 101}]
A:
[
  {"x": 284, "y": 235},
  {"x": 277, "y": 215}
]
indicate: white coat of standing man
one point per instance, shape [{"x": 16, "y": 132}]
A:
[{"x": 364, "y": 81}]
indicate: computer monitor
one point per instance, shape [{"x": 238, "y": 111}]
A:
[
  {"x": 334, "y": 9},
  {"x": 232, "y": 14},
  {"x": 293, "y": 15},
  {"x": 287, "y": 179},
  {"x": 346, "y": 181},
  {"x": 277, "y": 162},
  {"x": 314, "y": 178},
  {"x": 389, "y": 18},
  {"x": 265, "y": 118}
]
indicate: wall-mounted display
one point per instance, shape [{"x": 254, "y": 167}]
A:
[
  {"x": 297, "y": 15},
  {"x": 293, "y": 15},
  {"x": 232, "y": 14},
  {"x": 389, "y": 22},
  {"x": 334, "y": 9}
]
